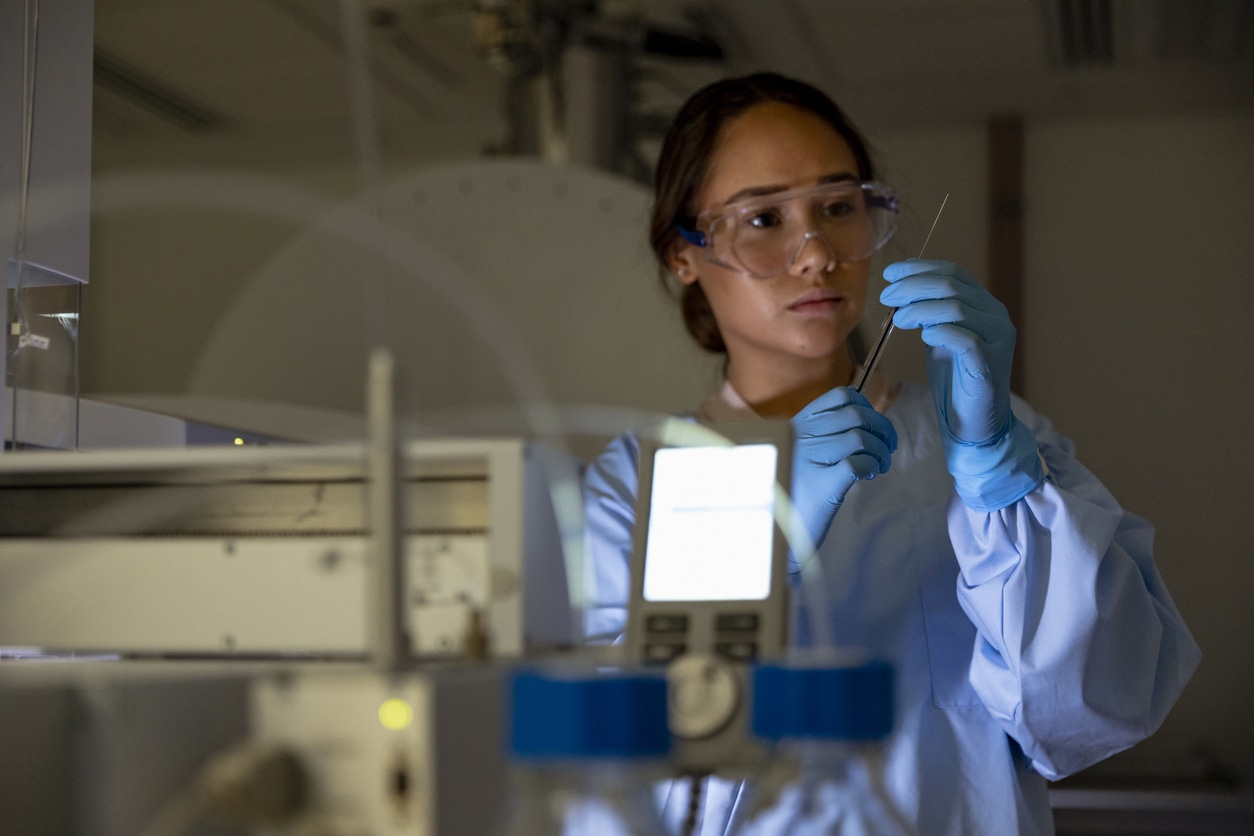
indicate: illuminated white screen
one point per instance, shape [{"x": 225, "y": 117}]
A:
[{"x": 711, "y": 526}]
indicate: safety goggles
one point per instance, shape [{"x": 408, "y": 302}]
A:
[{"x": 764, "y": 236}]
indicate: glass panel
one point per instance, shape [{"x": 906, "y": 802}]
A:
[{"x": 41, "y": 310}]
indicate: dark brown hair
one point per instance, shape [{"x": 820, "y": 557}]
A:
[{"x": 685, "y": 160}]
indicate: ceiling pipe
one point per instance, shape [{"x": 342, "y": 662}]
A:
[{"x": 570, "y": 74}]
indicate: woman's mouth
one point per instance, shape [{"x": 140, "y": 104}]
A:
[{"x": 816, "y": 302}]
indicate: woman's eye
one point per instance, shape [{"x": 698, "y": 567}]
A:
[
  {"x": 839, "y": 208},
  {"x": 765, "y": 219}
]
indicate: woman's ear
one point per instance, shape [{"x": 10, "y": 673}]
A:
[{"x": 683, "y": 263}]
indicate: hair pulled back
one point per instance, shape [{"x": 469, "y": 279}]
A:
[{"x": 685, "y": 160}]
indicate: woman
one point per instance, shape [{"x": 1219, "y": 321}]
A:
[{"x": 1031, "y": 632}]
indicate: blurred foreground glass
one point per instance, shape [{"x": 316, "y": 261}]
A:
[
  {"x": 825, "y": 725},
  {"x": 41, "y": 311},
  {"x": 45, "y": 203},
  {"x": 587, "y": 748}
]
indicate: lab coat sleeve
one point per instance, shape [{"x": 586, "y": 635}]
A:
[
  {"x": 1080, "y": 651},
  {"x": 609, "y": 492}
]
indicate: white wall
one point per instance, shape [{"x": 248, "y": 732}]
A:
[
  {"x": 1139, "y": 301},
  {"x": 160, "y": 279}
]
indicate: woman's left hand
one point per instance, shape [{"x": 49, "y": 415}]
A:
[
  {"x": 972, "y": 342},
  {"x": 970, "y": 347}
]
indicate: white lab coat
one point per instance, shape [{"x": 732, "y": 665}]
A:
[{"x": 1029, "y": 642}]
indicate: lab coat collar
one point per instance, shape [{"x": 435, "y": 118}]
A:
[{"x": 727, "y": 406}]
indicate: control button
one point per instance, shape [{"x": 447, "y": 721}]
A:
[
  {"x": 704, "y": 696},
  {"x": 663, "y": 651},
  {"x": 737, "y": 651},
  {"x": 666, "y": 624},
  {"x": 740, "y": 622}
]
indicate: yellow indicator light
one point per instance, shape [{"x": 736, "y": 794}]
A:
[
  {"x": 395, "y": 714},
  {"x": 239, "y": 442}
]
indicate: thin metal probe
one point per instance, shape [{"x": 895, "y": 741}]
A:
[{"x": 873, "y": 358}]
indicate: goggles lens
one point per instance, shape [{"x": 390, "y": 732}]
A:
[{"x": 764, "y": 236}]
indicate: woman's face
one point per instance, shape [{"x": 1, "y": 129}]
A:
[{"x": 807, "y": 311}]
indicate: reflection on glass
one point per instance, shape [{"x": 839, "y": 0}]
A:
[{"x": 41, "y": 310}]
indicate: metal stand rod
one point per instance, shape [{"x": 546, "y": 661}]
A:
[{"x": 387, "y": 640}]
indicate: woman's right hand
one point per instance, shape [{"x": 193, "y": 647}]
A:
[{"x": 839, "y": 439}]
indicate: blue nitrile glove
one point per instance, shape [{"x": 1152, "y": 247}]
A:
[
  {"x": 840, "y": 438},
  {"x": 971, "y": 341}
]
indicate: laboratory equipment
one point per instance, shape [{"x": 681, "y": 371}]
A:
[
  {"x": 40, "y": 360},
  {"x": 824, "y": 718},
  {"x": 321, "y": 583},
  {"x": 709, "y": 590},
  {"x": 586, "y": 749},
  {"x": 244, "y": 573},
  {"x": 45, "y": 202},
  {"x": 886, "y": 328},
  {"x": 262, "y": 551},
  {"x": 414, "y": 753}
]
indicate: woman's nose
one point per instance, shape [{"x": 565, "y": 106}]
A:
[{"x": 813, "y": 255}]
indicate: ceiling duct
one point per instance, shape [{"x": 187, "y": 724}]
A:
[
  {"x": 1207, "y": 30},
  {"x": 1085, "y": 29},
  {"x": 570, "y": 73},
  {"x": 1098, "y": 33},
  {"x": 153, "y": 96}
]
